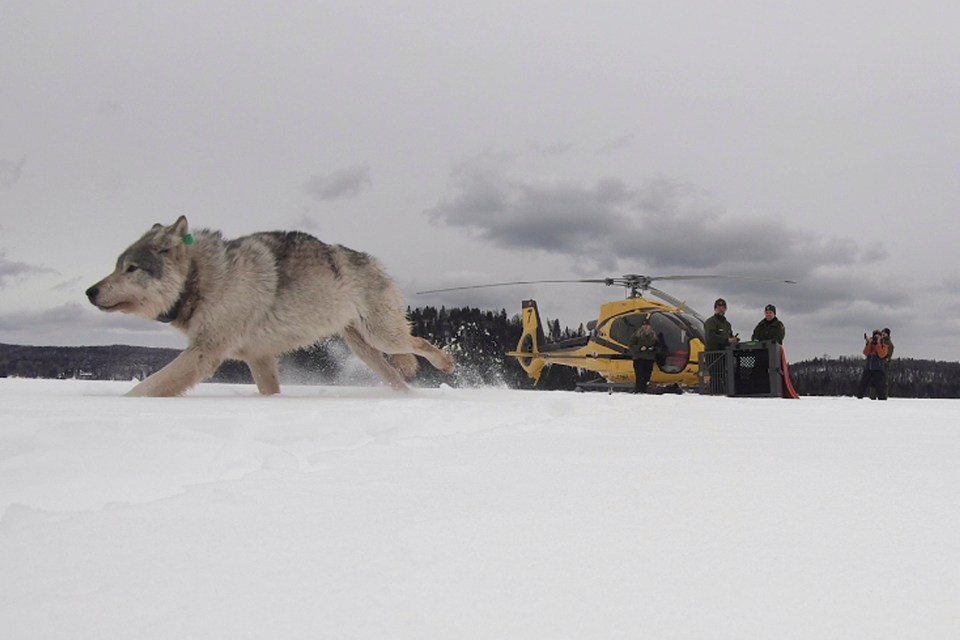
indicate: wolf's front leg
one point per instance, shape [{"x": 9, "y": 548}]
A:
[{"x": 183, "y": 372}]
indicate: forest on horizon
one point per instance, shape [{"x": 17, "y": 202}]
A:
[{"x": 478, "y": 339}]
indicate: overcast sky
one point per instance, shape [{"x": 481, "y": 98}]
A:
[{"x": 467, "y": 143}]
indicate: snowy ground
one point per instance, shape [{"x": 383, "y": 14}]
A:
[{"x": 457, "y": 514}]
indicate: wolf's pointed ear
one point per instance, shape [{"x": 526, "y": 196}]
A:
[{"x": 180, "y": 227}]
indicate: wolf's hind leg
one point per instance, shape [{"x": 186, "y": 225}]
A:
[
  {"x": 434, "y": 355},
  {"x": 388, "y": 331},
  {"x": 406, "y": 363},
  {"x": 266, "y": 373},
  {"x": 373, "y": 358},
  {"x": 409, "y": 345}
]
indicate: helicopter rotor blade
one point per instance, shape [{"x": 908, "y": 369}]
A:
[
  {"x": 629, "y": 280},
  {"x": 515, "y": 283},
  {"x": 716, "y": 277}
]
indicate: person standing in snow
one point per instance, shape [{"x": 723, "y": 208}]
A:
[
  {"x": 718, "y": 334},
  {"x": 888, "y": 361},
  {"x": 769, "y": 329},
  {"x": 873, "y": 379},
  {"x": 644, "y": 345}
]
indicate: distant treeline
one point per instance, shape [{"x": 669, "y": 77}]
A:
[
  {"x": 909, "y": 378},
  {"x": 478, "y": 339}
]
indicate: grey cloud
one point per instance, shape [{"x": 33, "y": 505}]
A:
[
  {"x": 108, "y": 107},
  {"x": 949, "y": 285},
  {"x": 343, "y": 183},
  {"x": 549, "y": 149},
  {"x": 69, "y": 285},
  {"x": 617, "y": 144},
  {"x": 10, "y": 172},
  {"x": 64, "y": 315},
  {"x": 10, "y": 270},
  {"x": 659, "y": 226},
  {"x": 78, "y": 324}
]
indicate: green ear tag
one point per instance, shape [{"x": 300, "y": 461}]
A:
[{"x": 187, "y": 238}]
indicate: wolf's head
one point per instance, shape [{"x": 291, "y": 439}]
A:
[{"x": 149, "y": 277}]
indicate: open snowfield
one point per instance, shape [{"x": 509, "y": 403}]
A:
[{"x": 474, "y": 513}]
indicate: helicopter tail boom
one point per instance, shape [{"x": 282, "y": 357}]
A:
[{"x": 531, "y": 340}]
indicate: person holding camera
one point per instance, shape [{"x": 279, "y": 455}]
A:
[
  {"x": 644, "y": 346},
  {"x": 873, "y": 379}
]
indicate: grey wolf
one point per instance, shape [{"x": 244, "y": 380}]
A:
[{"x": 256, "y": 297}]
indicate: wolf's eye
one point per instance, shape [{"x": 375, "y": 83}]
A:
[{"x": 132, "y": 268}]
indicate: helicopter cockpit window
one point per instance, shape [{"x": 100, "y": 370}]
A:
[
  {"x": 673, "y": 332},
  {"x": 694, "y": 324}
]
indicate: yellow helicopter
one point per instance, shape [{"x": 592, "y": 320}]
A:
[{"x": 604, "y": 349}]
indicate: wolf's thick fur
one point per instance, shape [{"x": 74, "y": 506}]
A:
[{"x": 255, "y": 298}]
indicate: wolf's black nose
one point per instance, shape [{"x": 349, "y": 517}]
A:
[{"x": 92, "y": 293}]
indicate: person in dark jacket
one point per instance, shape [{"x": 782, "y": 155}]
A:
[
  {"x": 873, "y": 379},
  {"x": 770, "y": 328},
  {"x": 644, "y": 346},
  {"x": 888, "y": 361},
  {"x": 717, "y": 332}
]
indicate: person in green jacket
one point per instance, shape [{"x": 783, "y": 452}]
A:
[
  {"x": 770, "y": 328},
  {"x": 717, "y": 332},
  {"x": 644, "y": 345}
]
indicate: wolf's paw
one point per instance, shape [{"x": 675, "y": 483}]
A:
[{"x": 448, "y": 363}]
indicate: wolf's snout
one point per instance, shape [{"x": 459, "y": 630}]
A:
[{"x": 92, "y": 293}]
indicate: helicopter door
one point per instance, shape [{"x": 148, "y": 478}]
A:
[
  {"x": 672, "y": 331},
  {"x": 677, "y": 338}
]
